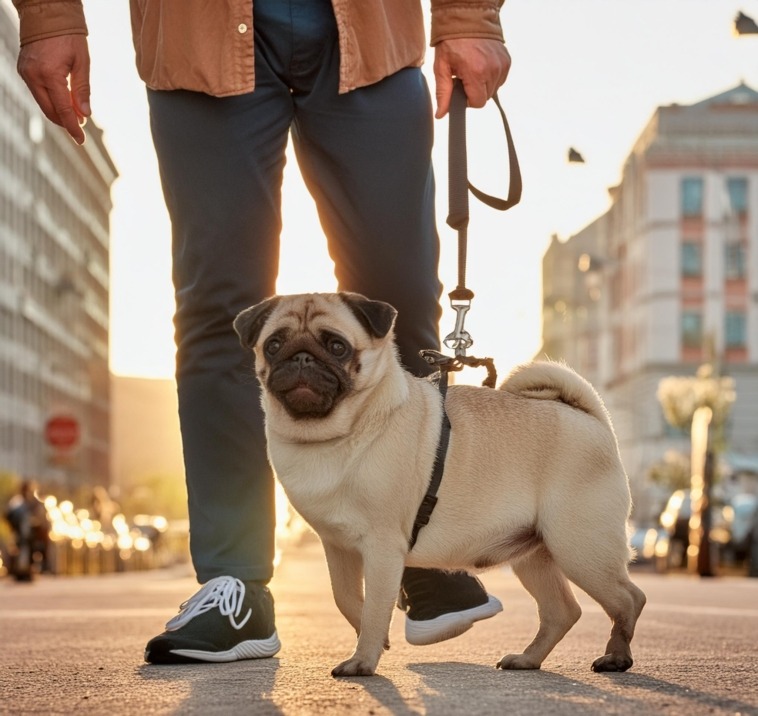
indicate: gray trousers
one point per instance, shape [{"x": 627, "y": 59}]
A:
[{"x": 366, "y": 159}]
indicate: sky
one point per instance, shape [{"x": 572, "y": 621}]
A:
[{"x": 587, "y": 74}]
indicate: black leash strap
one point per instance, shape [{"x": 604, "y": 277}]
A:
[{"x": 459, "y": 185}]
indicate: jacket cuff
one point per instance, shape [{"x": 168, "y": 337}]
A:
[
  {"x": 40, "y": 19},
  {"x": 466, "y": 18}
]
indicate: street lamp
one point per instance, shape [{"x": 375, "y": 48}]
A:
[{"x": 745, "y": 25}]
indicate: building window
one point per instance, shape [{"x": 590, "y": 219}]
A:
[
  {"x": 736, "y": 188},
  {"x": 734, "y": 329},
  {"x": 692, "y": 196},
  {"x": 692, "y": 329},
  {"x": 692, "y": 259},
  {"x": 734, "y": 260}
]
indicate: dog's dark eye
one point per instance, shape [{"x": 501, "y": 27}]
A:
[
  {"x": 272, "y": 346},
  {"x": 337, "y": 347}
]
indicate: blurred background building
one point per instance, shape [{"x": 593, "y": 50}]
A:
[
  {"x": 666, "y": 280},
  {"x": 147, "y": 467},
  {"x": 55, "y": 203}
]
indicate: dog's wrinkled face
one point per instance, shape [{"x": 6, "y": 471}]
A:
[
  {"x": 308, "y": 373},
  {"x": 311, "y": 348}
]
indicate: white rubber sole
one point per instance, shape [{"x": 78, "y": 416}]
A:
[
  {"x": 253, "y": 649},
  {"x": 447, "y": 626}
]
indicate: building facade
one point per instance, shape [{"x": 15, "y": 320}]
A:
[
  {"x": 54, "y": 274},
  {"x": 667, "y": 279}
]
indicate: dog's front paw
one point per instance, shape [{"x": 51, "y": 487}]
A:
[
  {"x": 354, "y": 667},
  {"x": 517, "y": 661}
]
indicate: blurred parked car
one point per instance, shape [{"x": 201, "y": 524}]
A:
[
  {"x": 742, "y": 513},
  {"x": 646, "y": 542},
  {"x": 733, "y": 527},
  {"x": 671, "y": 549}
]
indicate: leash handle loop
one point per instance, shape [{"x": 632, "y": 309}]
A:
[
  {"x": 514, "y": 171},
  {"x": 458, "y": 183}
]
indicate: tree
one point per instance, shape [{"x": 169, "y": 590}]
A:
[
  {"x": 672, "y": 471},
  {"x": 681, "y": 396}
]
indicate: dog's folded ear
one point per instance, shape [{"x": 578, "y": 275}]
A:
[
  {"x": 249, "y": 323},
  {"x": 377, "y": 317}
]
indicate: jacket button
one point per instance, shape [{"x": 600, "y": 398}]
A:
[{"x": 242, "y": 28}]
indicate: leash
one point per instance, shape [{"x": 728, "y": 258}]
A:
[
  {"x": 458, "y": 214},
  {"x": 460, "y": 298}
]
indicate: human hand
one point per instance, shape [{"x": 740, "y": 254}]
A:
[
  {"x": 56, "y": 70},
  {"x": 481, "y": 64}
]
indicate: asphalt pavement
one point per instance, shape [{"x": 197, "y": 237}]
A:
[{"x": 73, "y": 645}]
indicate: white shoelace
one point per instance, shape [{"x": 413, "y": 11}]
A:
[{"x": 223, "y": 593}]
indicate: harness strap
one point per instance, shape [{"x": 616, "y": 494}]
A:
[
  {"x": 445, "y": 364},
  {"x": 430, "y": 499}
]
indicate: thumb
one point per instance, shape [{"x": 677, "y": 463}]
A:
[{"x": 444, "y": 90}]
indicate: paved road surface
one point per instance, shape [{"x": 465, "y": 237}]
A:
[{"x": 74, "y": 646}]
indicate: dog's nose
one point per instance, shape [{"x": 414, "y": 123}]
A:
[{"x": 303, "y": 358}]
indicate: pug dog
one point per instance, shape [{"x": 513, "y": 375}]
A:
[{"x": 532, "y": 474}]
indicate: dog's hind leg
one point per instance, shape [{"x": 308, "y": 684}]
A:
[
  {"x": 623, "y": 602},
  {"x": 556, "y": 605},
  {"x": 600, "y": 569},
  {"x": 618, "y": 653}
]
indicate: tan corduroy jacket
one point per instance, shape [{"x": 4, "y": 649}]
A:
[{"x": 207, "y": 45}]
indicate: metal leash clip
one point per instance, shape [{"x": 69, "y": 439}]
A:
[
  {"x": 449, "y": 364},
  {"x": 459, "y": 340}
]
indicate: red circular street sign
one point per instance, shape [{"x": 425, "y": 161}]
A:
[{"x": 62, "y": 431}]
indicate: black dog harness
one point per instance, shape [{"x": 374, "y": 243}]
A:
[
  {"x": 430, "y": 499},
  {"x": 445, "y": 364}
]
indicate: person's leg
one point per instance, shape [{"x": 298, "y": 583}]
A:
[
  {"x": 366, "y": 158},
  {"x": 221, "y": 162}
]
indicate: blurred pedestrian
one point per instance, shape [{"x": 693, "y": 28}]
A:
[
  {"x": 228, "y": 84},
  {"x": 28, "y": 519}
]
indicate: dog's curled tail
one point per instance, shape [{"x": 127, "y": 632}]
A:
[{"x": 548, "y": 380}]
